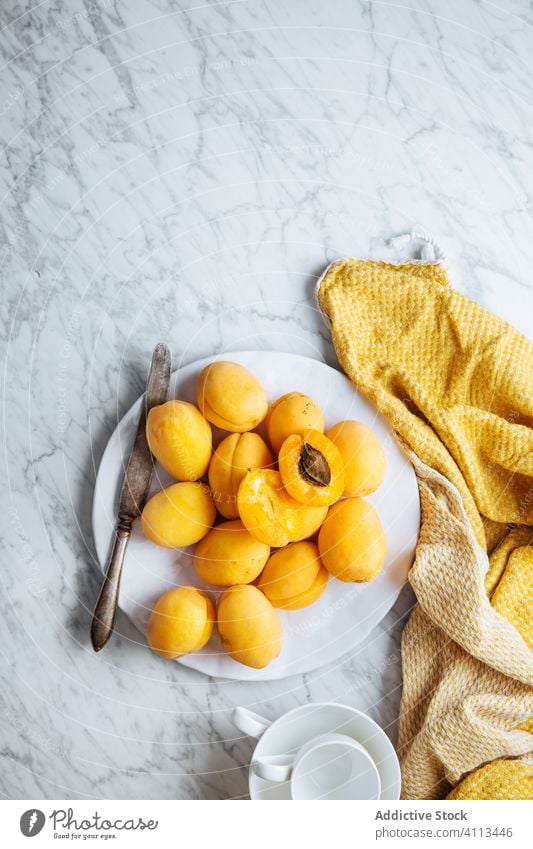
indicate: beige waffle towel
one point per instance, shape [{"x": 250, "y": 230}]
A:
[{"x": 456, "y": 383}]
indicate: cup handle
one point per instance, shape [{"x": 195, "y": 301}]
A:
[
  {"x": 273, "y": 767},
  {"x": 250, "y": 723}
]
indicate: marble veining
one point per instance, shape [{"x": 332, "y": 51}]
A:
[{"x": 183, "y": 171}]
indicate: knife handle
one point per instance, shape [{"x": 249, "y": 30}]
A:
[{"x": 106, "y": 606}]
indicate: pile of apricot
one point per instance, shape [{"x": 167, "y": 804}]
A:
[{"x": 272, "y": 519}]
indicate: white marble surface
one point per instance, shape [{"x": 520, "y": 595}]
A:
[{"x": 182, "y": 171}]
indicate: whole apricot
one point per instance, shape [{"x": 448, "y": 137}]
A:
[
  {"x": 311, "y": 468},
  {"x": 294, "y": 576},
  {"x": 362, "y": 454},
  {"x": 236, "y": 455},
  {"x": 309, "y": 521},
  {"x": 229, "y": 555},
  {"x": 180, "y": 438},
  {"x": 249, "y": 626},
  {"x": 351, "y": 541},
  {"x": 179, "y": 515},
  {"x": 181, "y": 622},
  {"x": 292, "y": 413},
  {"x": 231, "y": 397},
  {"x": 271, "y": 514}
]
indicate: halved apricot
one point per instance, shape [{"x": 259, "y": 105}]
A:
[
  {"x": 311, "y": 468},
  {"x": 294, "y": 577},
  {"x": 270, "y": 514}
]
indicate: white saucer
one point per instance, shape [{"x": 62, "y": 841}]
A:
[{"x": 293, "y": 729}]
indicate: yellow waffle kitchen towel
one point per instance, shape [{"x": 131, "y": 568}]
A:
[{"x": 456, "y": 384}]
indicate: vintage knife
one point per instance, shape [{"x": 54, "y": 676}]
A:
[{"x": 132, "y": 498}]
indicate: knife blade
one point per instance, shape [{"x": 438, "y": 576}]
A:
[
  {"x": 140, "y": 464},
  {"x": 133, "y": 494}
]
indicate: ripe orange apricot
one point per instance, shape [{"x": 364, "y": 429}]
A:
[
  {"x": 294, "y": 577},
  {"x": 249, "y": 626},
  {"x": 229, "y": 555},
  {"x": 363, "y": 457},
  {"x": 311, "y": 468},
  {"x": 181, "y": 622},
  {"x": 271, "y": 514},
  {"x": 179, "y": 515},
  {"x": 292, "y": 413},
  {"x": 351, "y": 541},
  {"x": 231, "y": 397},
  {"x": 180, "y": 438},
  {"x": 310, "y": 520},
  {"x": 236, "y": 455}
]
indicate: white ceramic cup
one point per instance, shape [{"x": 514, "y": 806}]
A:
[
  {"x": 331, "y": 766},
  {"x": 327, "y": 766}
]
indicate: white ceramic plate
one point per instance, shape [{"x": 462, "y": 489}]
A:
[
  {"x": 346, "y": 613},
  {"x": 295, "y": 728}
]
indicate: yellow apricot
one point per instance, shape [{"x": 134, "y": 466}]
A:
[
  {"x": 181, "y": 622},
  {"x": 309, "y": 596},
  {"x": 271, "y": 514},
  {"x": 294, "y": 576},
  {"x": 249, "y": 626},
  {"x": 179, "y": 515},
  {"x": 180, "y": 438},
  {"x": 362, "y": 454},
  {"x": 236, "y": 455},
  {"x": 231, "y": 397},
  {"x": 351, "y": 541},
  {"x": 310, "y": 520},
  {"x": 292, "y": 413},
  {"x": 311, "y": 468},
  {"x": 229, "y": 554}
]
